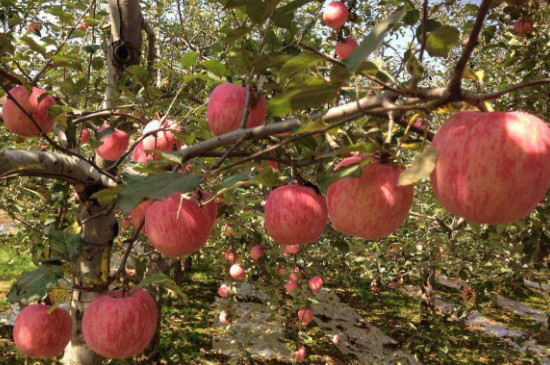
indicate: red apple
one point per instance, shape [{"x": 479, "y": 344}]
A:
[
  {"x": 178, "y": 225},
  {"x": 224, "y": 290},
  {"x": 291, "y": 249},
  {"x": 33, "y": 27},
  {"x": 305, "y": 315},
  {"x": 83, "y": 25},
  {"x": 492, "y": 167},
  {"x": 113, "y": 146},
  {"x": 17, "y": 122},
  {"x": 315, "y": 283},
  {"x": 231, "y": 256},
  {"x": 226, "y": 106},
  {"x": 383, "y": 205},
  {"x": 469, "y": 296},
  {"x": 256, "y": 253},
  {"x": 223, "y": 317},
  {"x": 289, "y": 210},
  {"x": 292, "y": 285},
  {"x": 294, "y": 277},
  {"x": 336, "y": 339},
  {"x": 41, "y": 335},
  {"x": 164, "y": 141},
  {"x": 120, "y": 324},
  {"x": 345, "y": 47},
  {"x": 523, "y": 26},
  {"x": 300, "y": 353},
  {"x": 84, "y": 135},
  {"x": 138, "y": 213},
  {"x": 139, "y": 155},
  {"x": 237, "y": 272},
  {"x": 336, "y": 14}
]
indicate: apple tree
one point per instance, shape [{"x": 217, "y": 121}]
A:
[{"x": 369, "y": 140}]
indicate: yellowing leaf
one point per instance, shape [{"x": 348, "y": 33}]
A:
[{"x": 421, "y": 168}]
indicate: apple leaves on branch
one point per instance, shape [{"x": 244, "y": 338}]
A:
[
  {"x": 373, "y": 40},
  {"x": 34, "y": 285},
  {"x": 140, "y": 188},
  {"x": 164, "y": 281},
  {"x": 421, "y": 168}
]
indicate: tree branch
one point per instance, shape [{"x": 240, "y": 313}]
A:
[
  {"x": 456, "y": 81},
  {"x": 47, "y": 164}
]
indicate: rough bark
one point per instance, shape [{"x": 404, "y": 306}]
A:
[
  {"x": 48, "y": 164},
  {"x": 92, "y": 268},
  {"x": 427, "y": 297},
  {"x": 100, "y": 228}
]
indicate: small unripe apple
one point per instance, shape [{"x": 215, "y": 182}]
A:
[
  {"x": 256, "y": 253},
  {"x": 300, "y": 353},
  {"x": 291, "y": 249},
  {"x": 83, "y": 25},
  {"x": 84, "y": 135},
  {"x": 290, "y": 209},
  {"x": 305, "y": 315},
  {"x": 345, "y": 47},
  {"x": 336, "y": 14},
  {"x": 226, "y": 106},
  {"x": 492, "y": 168},
  {"x": 376, "y": 187},
  {"x": 523, "y": 26},
  {"x": 469, "y": 296},
  {"x": 231, "y": 256},
  {"x": 315, "y": 283},
  {"x": 237, "y": 272},
  {"x": 223, "y": 317},
  {"x": 224, "y": 290},
  {"x": 41, "y": 335},
  {"x": 113, "y": 146},
  {"x": 120, "y": 324},
  {"x": 17, "y": 122},
  {"x": 178, "y": 225}
]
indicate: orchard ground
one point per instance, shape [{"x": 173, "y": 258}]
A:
[{"x": 188, "y": 326}]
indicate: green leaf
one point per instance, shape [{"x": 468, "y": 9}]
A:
[
  {"x": 301, "y": 98},
  {"x": 189, "y": 59},
  {"x": 214, "y": 66},
  {"x": 69, "y": 246},
  {"x": 259, "y": 10},
  {"x": 5, "y": 43},
  {"x": 284, "y": 16},
  {"x": 298, "y": 64},
  {"x": 158, "y": 186},
  {"x": 232, "y": 180},
  {"x": 34, "y": 285},
  {"x": 313, "y": 126},
  {"x": 269, "y": 177},
  {"x": 164, "y": 281},
  {"x": 33, "y": 45},
  {"x": 353, "y": 170},
  {"x": 374, "y": 40},
  {"x": 442, "y": 40},
  {"x": 421, "y": 168},
  {"x": 138, "y": 74}
]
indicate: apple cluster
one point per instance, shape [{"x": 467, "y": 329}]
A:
[
  {"x": 116, "y": 324},
  {"x": 336, "y": 14}
]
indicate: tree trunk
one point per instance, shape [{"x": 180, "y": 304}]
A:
[
  {"x": 99, "y": 230},
  {"x": 92, "y": 268},
  {"x": 427, "y": 298}
]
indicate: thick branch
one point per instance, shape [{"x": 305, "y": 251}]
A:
[{"x": 47, "y": 164}]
